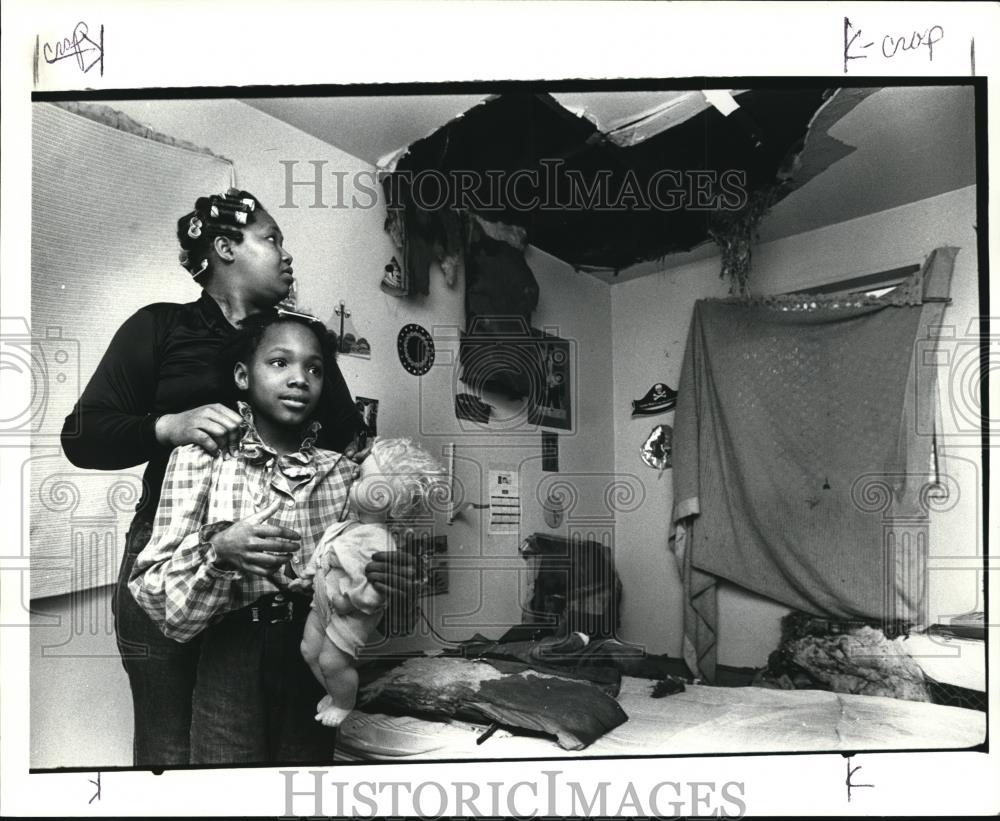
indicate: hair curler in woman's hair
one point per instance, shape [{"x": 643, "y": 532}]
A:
[{"x": 218, "y": 215}]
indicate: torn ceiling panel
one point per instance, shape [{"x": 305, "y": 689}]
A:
[
  {"x": 668, "y": 115},
  {"x": 820, "y": 150},
  {"x": 597, "y": 202},
  {"x": 609, "y": 110},
  {"x": 629, "y": 117}
]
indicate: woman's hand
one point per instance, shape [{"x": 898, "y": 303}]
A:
[
  {"x": 358, "y": 455},
  {"x": 394, "y": 573},
  {"x": 211, "y": 427},
  {"x": 252, "y": 546}
]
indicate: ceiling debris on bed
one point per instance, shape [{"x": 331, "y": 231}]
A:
[
  {"x": 602, "y": 187},
  {"x": 503, "y": 691}
]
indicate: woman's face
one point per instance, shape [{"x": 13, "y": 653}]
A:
[{"x": 262, "y": 268}]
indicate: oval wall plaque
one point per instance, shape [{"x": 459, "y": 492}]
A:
[{"x": 416, "y": 349}]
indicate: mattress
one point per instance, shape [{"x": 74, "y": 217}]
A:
[
  {"x": 701, "y": 719},
  {"x": 950, "y": 659}
]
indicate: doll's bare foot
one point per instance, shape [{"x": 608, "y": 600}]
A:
[{"x": 332, "y": 716}]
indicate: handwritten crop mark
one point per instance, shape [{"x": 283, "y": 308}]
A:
[
  {"x": 850, "y": 784},
  {"x": 891, "y": 44},
  {"x": 77, "y": 47}
]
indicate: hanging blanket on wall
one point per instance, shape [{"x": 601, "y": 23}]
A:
[{"x": 802, "y": 446}]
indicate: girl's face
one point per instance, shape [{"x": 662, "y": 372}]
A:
[
  {"x": 284, "y": 378},
  {"x": 263, "y": 267}
]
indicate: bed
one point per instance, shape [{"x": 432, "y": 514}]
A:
[{"x": 700, "y": 720}]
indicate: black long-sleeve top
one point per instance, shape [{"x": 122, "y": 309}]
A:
[{"x": 168, "y": 358}]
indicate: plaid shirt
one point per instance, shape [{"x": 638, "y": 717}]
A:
[{"x": 176, "y": 578}]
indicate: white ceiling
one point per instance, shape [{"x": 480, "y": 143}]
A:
[
  {"x": 368, "y": 127},
  {"x": 912, "y": 143}
]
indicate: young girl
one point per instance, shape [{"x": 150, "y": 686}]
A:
[
  {"x": 226, "y": 525},
  {"x": 396, "y": 479}
]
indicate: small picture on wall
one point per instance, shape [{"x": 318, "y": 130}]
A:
[
  {"x": 368, "y": 411},
  {"x": 552, "y": 398},
  {"x": 354, "y": 345},
  {"x": 349, "y": 341}
]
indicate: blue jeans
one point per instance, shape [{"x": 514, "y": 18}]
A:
[
  {"x": 161, "y": 671},
  {"x": 255, "y": 698}
]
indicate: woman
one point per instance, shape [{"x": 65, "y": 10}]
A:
[{"x": 158, "y": 387}]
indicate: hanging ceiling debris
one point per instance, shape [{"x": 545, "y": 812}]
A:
[{"x": 640, "y": 190}]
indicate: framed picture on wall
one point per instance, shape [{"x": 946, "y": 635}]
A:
[
  {"x": 552, "y": 398},
  {"x": 368, "y": 412}
]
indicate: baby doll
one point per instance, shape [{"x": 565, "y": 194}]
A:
[{"x": 396, "y": 479}]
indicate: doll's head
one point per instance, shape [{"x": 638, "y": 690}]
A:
[{"x": 397, "y": 479}]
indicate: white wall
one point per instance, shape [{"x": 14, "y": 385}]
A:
[
  {"x": 650, "y": 320},
  {"x": 81, "y": 707}
]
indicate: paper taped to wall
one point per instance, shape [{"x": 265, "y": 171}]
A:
[{"x": 505, "y": 502}]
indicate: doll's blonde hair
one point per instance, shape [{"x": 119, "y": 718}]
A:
[{"x": 411, "y": 475}]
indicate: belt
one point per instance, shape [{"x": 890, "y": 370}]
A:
[{"x": 273, "y": 608}]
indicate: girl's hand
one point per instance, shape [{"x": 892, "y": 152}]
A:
[
  {"x": 394, "y": 573},
  {"x": 211, "y": 427},
  {"x": 251, "y": 546}
]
